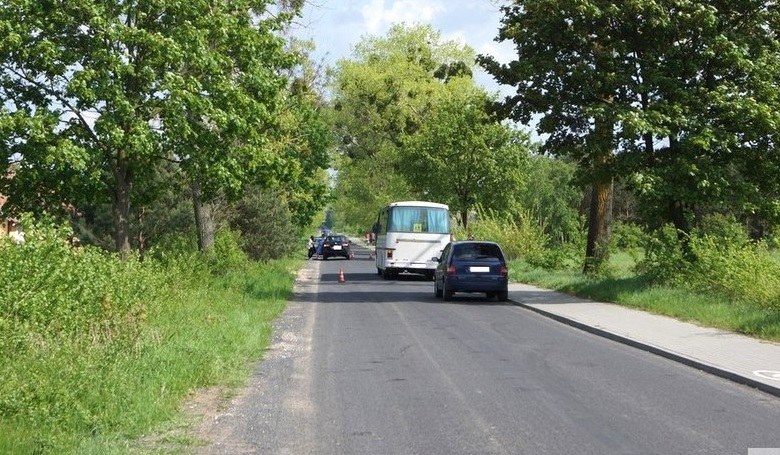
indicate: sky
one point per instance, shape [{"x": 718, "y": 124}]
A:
[{"x": 337, "y": 25}]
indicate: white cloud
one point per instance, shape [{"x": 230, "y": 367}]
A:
[
  {"x": 458, "y": 36},
  {"x": 503, "y": 52},
  {"x": 378, "y": 17}
]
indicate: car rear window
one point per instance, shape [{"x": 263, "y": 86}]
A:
[{"x": 478, "y": 251}]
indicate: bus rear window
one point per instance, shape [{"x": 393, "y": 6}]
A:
[{"x": 419, "y": 219}]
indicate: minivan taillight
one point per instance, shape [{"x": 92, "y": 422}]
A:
[{"x": 451, "y": 270}]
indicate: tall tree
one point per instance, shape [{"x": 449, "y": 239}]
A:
[
  {"x": 462, "y": 156},
  {"x": 381, "y": 94},
  {"x": 99, "y": 91},
  {"x": 683, "y": 89},
  {"x": 706, "y": 77},
  {"x": 380, "y": 97},
  {"x": 410, "y": 117},
  {"x": 565, "y": 73}
]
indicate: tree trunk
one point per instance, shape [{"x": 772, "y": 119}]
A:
[
  {"x": 123, "y": 184},
  {"x": 204, "y": 219},
  {"x": 676, "y": 210},
  {"x": 599, "y": 226},
  {"x": 677, "y": 215},
  {"x": 600, "y": 213}
]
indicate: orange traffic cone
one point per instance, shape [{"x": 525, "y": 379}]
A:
[{"x": 341, "y": 276}]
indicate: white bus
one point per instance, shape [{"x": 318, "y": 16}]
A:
[{"x": 409, "y": 235}]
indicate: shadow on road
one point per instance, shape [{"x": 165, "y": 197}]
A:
[{"x": 365, "y": 277}]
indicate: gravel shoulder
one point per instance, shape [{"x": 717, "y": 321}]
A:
[{"x": 277, "y": 393}]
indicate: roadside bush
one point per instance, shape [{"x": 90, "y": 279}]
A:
[
  {"x": 627, "y": 236},
  {"x": 227, "y": 255},
  {"x": 726, "y": 229},
  {"x": 663, "y": 261},
  {"x": 52, "y": 289},
  {"x": 520, "y": 238},
  {"x": 552, "y": 198},
  {"x": 745, "y": 272},
  {"x": 723, "y": 261},
  {"x": 66, "y": 315},
  {"x": 264, "y": 220},
  {"x": 96, "y": 352},
  {"x": 561, "y": 257}
]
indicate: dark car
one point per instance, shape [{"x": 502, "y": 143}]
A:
[
  {"x": 472, "y": 266},
  {"x": 336, "y": 245}
]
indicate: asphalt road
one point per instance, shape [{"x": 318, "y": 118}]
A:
[{"x": 370, "y": 366}]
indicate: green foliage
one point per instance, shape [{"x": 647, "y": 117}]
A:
[
  {"x": 519, "y": 237},
  {"x": 64, "y": 313},
  {"x": 303, "y": 139},
  {"x": 227, "y": 255},
  {"x": 722, "y": 261},
  {"x": 54, "y": 289},
  {"x": 744, "y": 272},
  {"x": 724, "y": 228},
  {"x": 97, "y": 95},
  {"x": 550, "y": 194},
  {"x": 383, "y": 94},
  {"x": 125, "y": 342},
  {"x": 687, "y": 92},
  {"x": 363, "y": 187},
  {"x": 387, "y": 95},
  {"x": 461, "y": 156},
  {"x": 663, "y": 256},
  {"x": 265, "y": 223},
  {"x": 627, "y": 236}
]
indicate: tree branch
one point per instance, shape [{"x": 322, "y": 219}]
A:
[{"x": 57, "y": 96}]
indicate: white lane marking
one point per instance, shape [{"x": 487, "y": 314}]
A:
[{"x": 768, "y": 374}]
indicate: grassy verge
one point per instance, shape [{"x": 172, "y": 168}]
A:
[
  {"x": 87, "y": 394},
  {"x": 623, "y": 287}
]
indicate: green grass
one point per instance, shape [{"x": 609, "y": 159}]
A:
[
  {"x": 76, "y": 396},
  {"x": 622, "y": 286}
]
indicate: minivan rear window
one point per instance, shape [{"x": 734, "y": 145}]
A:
[{"x": 478, "y": 251}]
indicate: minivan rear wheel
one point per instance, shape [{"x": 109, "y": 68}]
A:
[{"x": 447, "y": 293}]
